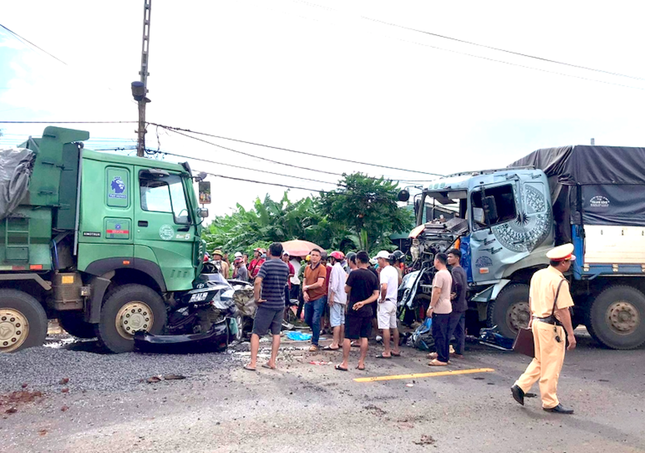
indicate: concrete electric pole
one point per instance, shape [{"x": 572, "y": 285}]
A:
[{"x": 140, "y": 89}]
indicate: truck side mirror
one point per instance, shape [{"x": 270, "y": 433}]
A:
[
  {"x": 204, "y": 192},
  {"x": 404, "y": 195},
  {"x": 203, "y": 212},
  {"x": 490, "y": 209}
]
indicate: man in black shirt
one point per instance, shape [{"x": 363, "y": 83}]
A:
[
  {"x": 457, "y": 322},
  {"x": 362, "y": 287}
]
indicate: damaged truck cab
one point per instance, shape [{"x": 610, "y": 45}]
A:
[
  {"x": 506, "y": 220},
  {"x": 105, "y": 243},
  {"x": 503, "y": 226}
]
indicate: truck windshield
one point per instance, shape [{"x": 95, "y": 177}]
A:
[{"x": 165, "y": 194}]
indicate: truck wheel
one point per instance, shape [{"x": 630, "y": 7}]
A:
[
  {"x": 510, "y": 310},
  {"x": 23, "y": 321},
  {"x": 73, "y": 323},
  {"x": 127, "y": 309},
  {"x": 617, "y": 318}
]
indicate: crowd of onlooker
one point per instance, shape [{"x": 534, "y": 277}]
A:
[{"x": 347, "y": 297}]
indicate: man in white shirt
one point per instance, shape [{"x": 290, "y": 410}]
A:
[
  {"x": 337, "y": 299},
  {"x": 389, "y": 278},
  {"x": 295, "y": 281}
]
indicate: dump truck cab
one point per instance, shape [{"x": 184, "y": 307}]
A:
[{"x": 102, "y": 241}]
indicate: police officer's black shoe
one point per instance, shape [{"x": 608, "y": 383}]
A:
[
  {"x": 518, "y": 394},
  {"x": 559, "y": 410}
]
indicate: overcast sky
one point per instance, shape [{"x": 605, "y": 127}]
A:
[{"x": 326, "y": 77}]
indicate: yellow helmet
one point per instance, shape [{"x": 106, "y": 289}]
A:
[{"x": 308, "y": 257}]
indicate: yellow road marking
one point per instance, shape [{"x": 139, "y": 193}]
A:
[{"x": 424, "y": 375}]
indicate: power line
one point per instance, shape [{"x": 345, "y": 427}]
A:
[
  {"x": 175, "y": 129},
  {"x": 151, "y": 151},
  {"x": 178, "y": 130},
  {"x": 265, "y": 183},
  {"x": 501, "y": 61},
  {"x": 498, "y": 49},
  {"x": 34, "y": 45},
  {"x": 249, "y": 154}
]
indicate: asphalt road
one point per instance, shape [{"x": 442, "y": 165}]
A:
[{"x": 302, "y": 407}]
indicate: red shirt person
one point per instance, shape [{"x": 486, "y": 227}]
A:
[{"x": 257, "y": 262}]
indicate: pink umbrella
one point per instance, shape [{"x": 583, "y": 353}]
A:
[{"x": 300, "y": 248}]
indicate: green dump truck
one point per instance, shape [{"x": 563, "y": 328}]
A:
[{"x": 103, "y": 242}]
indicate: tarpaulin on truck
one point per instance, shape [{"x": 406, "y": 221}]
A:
[
  {"x": 593, "y": 185},
  {"x": 15, "y": 170}
]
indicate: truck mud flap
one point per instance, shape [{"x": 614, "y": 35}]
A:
[
  {"x": 93, "y": 311},
  {"x": 216, "y": 338}
]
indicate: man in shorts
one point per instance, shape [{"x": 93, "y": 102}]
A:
[
  {"x": 389, "y": 278},
  {"x": 269, "y": 295},
  {"x": 362, "y": 288}
]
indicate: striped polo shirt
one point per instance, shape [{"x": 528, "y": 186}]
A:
[{"x": 274, "y": 274}]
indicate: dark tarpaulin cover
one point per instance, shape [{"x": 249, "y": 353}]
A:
[
  {"x": 595, "y": 185},
  {"x": 584, "y": 164},
  {"x": 15, "y": 170}
]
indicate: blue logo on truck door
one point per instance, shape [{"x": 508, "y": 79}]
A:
[{"x": 118, "y": 188}]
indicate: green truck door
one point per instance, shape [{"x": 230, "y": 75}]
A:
[{"x": 163, "y": 230}]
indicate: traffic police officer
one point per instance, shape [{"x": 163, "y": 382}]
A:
[{"x": 550, "y": 319}]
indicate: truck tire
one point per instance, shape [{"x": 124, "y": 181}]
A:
[
  {"x": 73, "y": 323},
  {"x": 125, "y": 310},
  {"x": 23, "y": 321},
  {"x": 510, "y": 310},
  {"x": 617, "y": 317}
]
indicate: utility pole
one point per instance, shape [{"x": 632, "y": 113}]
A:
[{"x": 140, "y": 89}]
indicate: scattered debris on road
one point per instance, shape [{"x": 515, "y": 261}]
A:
[
  {"x": 167, "y": 377},
  {"x": 425, "y": 440}
]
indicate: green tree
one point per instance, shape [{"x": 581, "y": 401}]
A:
[
  {"x": 367, "y": 209},
  {"x": 270, "y": 221}
]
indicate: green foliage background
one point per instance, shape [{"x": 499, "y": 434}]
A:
[{"x": 361, "y": 214}]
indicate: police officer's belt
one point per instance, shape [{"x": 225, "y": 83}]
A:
[{"x": 549, "y": 320}]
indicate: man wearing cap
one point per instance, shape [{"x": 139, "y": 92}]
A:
[
  {"x": 259, "y": 258},
  {"x": 550, "y": 300},
  {"x": 389, "y": 279},
  {"x": 240, "y": 271},
  {"x": 220, "y": 264}
]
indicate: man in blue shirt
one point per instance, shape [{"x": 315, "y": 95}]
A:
[{"x": 269, "y": 296}]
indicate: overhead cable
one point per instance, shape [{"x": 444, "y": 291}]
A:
[
  {"x": 252, "y": 155},
  {"x": 175, "y": 129},
  {"x": 264, "y": 182},
  {"x": 183, "y": 156},
  {"x": 502, "y": 50},
  {"x": 498, "y": 49},
  {"x": 34, "y": 45}
]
